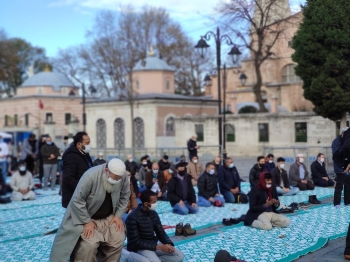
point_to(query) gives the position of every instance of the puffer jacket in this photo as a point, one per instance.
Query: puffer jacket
(254, 174)
(144, 230)
(207, 185)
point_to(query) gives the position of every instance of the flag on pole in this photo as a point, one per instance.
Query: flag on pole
(41, 105)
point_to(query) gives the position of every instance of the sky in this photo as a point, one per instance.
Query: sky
(58, 24)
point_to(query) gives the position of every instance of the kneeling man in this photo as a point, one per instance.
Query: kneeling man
(22, 183)
(93, 219)
(263, 202)
(144, 230)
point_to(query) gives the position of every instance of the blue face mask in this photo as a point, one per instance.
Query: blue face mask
(231, 165)
(49, 143)
(212, 172)
(155, 171)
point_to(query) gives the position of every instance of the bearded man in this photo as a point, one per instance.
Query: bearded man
(92, 224)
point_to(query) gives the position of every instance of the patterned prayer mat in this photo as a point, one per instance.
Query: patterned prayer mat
(39, 201)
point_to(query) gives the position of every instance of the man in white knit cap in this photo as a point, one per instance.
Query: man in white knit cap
(92, 225)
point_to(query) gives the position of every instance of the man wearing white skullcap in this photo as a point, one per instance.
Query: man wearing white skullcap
(99, 160)
(299, 176)
(92, 224)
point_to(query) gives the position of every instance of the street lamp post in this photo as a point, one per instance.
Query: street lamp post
(201, 47)
(84, 113)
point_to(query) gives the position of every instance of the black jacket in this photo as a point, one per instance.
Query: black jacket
(144, 230)
(344, 151)
(318, 171)
(131, 167)
(228, 179)
(277, 175)
(46, 150)
(254, 175)
(257, 200)
(163, 165)
(75, 164)
(270, 166)
(207, 185)
(174, 189)
(191, 148)
(98, 162)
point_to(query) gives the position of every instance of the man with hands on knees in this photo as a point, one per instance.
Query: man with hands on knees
(92, 225)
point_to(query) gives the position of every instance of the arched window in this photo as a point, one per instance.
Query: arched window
(139, 130)
(119, 133)
(288, 74)
(137, 84)
(170, 126)
(167, 84)
(230, 133)
(101, 133)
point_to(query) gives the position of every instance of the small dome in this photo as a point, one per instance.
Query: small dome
(56, 80)
(153, 63)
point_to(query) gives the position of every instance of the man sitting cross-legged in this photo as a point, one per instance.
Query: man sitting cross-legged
(319, 174)
(229, 181)
(208, 191)
(299, 176)
(263, 202)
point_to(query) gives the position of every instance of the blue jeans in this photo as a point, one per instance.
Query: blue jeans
(203, 202)
(229, 197)
(293, 191)
(185, 209)
(4, 169)
(142, 188)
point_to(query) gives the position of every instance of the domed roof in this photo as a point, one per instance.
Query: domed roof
(152, 63)
(56, 80)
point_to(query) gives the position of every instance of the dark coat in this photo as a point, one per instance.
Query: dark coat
(207, 185)
(163, 165)
(75, 164)
(277, 175)
(131, 167)
(46, 150)
(254, 175)
(257, 200)
(161, 180)
(98, 162)
(144, 230)
(344, 151)
(318, 171)
(270, 166)
(191, 148)
(228, 179)
(174, 189)
(337, 156)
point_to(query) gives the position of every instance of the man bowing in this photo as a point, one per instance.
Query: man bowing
(92, 224)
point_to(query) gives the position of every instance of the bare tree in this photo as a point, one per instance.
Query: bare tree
(258, 24)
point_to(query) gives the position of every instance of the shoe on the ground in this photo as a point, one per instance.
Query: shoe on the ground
(313, 200)
(226, 222)
(179, 229)
(188, 231)
(294, 206)
(285, 210)
(347, 257)
(303, 204)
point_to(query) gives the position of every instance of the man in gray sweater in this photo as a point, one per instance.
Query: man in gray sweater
(299, 176)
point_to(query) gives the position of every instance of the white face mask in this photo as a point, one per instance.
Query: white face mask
(211, 171)
(153, 207)
(268, 185)
(144, 163)
(231, 165)
(321, 160)
(282, 166)
(155, 171)
(195, 161)
(170, 171)
(131, 160)
(113, 181)
(301, 160)
(217, 163)
(87, 149)
(22, 168)
(270, 161)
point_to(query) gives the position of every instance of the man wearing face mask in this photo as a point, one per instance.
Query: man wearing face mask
(164, 163)
(145, 231)
(92, 224)
(49, 153)
(208, 191)
(299, 176)
(76, 161)
(155, 181)
(131, 169)
(192, 146)
(99, 160)
(263, 202)
(168, 174)
(143, 170)
(195, 169)
(229, 181)
(256, 170)
(22, 183)
(269, 162)
(319, 174)
(181, 193)
(217, 163)
(281, 181)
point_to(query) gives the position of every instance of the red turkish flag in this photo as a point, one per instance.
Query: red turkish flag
(41, 105)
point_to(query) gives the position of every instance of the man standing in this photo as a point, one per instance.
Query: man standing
(181, 193)
(280, 179)
(192, 146)
(319, 174)
(217, 163)
(299, 176)
(269, 162)
(155, 181)
(164, 163)
(49, 153)
(29, 152)
(256, 170)
(40, 157)
(229, 180)
(3, 158)
(132, 168)
(145, 168)
(195, 169)
(99, 160)
(208, 191)
(144, 230)
(92, 224)
(22, 184)
(76, 161)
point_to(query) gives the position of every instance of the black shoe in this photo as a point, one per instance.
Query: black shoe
(286, 210)
(235, 221)
(188, 230)
(313, 200)
(303, 205)
(227, 222)
(179, 229)
(294, 206)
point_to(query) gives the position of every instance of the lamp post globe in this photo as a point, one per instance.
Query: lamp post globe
(235, 54)
(201, 47)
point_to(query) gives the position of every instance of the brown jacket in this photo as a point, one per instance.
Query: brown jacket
(195, 170)
(161, 181)
(132, 204)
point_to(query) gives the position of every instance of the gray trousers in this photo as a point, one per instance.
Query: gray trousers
(156, 256)
(50, 171)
